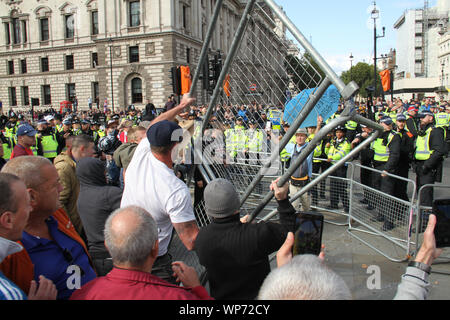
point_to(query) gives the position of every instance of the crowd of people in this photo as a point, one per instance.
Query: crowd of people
(90, 202)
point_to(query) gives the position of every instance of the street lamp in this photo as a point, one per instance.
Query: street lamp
(442, 79)
(375, 15)
(111, 71)
(351, 66)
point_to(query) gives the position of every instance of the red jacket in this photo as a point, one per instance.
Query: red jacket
(121, 284)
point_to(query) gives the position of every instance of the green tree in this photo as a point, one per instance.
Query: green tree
(362, 74)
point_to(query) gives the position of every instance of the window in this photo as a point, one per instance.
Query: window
(94, 22)
(7, 33)
(44, 64)
(135, 13)
(11, 67)
(134, 54)
(25, 96)
(95, 92)
(12, 96)
(70, 92)
(23, 66)
(69, 26)
(185, 17)
(46, 94)
(24, 31)
(188, 55)
(94, 59)
(69, 62)
(44, 29)
(136, 90)
(16, 30)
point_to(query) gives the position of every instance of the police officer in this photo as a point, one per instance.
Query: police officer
(46, 141)
(255, 142)
(429, 155)
(86, 128)
(239, 139)
(76, 127)
(406, 156)
(64, 134)
(386, 159)
(7, 144)
(366, 156)
(412, 120)
(339, 148)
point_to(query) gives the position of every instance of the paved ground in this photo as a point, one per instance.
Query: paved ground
(358, 264)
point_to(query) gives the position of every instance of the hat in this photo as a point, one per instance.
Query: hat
(412, 108)
(192, 113)
(340, 128)
(85, 121)
(49, 118)
(386, 120)
(75, 121)
(401, 117)
(221, 199)
(67, 122)
(240, 119)
(161, 133)
(42, 121)
(426, 113)
(26, 130)
(301, 130)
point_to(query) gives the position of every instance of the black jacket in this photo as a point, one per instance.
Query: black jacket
(235, 255)
(96, 201)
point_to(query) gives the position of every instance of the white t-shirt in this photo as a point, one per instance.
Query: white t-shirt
(150, 184)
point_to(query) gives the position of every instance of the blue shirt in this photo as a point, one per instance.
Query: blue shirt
(9, 290)
(56, 260)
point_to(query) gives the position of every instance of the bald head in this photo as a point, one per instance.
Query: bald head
(28, 169)
(130, 235)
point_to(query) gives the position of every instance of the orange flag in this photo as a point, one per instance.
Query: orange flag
(386, 80)
(226, 85)
(186, 80)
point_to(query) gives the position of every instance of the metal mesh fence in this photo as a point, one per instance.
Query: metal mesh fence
(266, 72)
(375, 211)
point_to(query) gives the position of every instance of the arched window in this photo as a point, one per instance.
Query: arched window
(136, 90)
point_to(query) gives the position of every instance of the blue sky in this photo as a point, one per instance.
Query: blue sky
(338, 28)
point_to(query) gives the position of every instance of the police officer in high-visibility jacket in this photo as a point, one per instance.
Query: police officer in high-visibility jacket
(255, 143)
(386, 159)
(7, 144)
(239, 140)
(442, 120)
(339, 148)
(46, 141)
(429, 155)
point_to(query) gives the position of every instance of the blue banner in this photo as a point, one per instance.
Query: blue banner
(326, 106)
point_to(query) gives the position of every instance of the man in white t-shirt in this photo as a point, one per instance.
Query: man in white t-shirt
(152, 185)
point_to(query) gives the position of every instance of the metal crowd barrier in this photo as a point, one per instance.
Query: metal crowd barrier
(332, 189)
(368, 205)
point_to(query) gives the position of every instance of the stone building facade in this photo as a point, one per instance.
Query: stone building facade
(56, 50)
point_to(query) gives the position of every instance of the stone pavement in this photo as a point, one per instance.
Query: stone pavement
(359, 264)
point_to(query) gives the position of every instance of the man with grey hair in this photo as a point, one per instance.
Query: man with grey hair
(131, 236)
(306, 277)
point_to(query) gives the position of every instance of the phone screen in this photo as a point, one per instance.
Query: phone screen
(308, 234)
(441, 208)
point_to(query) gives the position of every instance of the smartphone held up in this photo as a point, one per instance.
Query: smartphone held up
(308, 233)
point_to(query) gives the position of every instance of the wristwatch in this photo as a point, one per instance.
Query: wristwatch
(421, 266)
